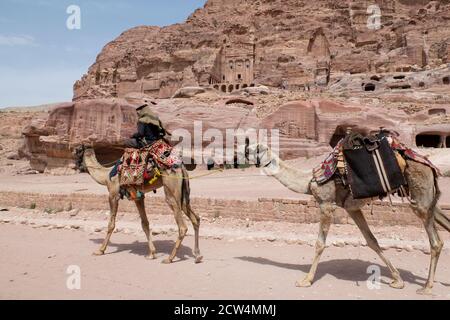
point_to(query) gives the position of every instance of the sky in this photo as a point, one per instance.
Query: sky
(45, 48)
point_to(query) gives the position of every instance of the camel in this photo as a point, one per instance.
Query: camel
(424, 192)
(177, 191)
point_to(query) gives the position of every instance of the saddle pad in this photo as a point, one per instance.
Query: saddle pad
(374, 173)
(414, 156)
(133, 167)
(161, 153)
(328, 167)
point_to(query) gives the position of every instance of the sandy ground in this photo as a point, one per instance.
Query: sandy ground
(229, 229)
(242, 261)
(231, 184)
(34, 264)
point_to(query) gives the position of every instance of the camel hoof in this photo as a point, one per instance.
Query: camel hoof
(305, 283)
(397, 284)
(424, 291)
(98, 253)
(151, 257)
(167, 261)
(198, 259)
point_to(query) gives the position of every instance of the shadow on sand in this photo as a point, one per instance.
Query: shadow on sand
(343, 269)
(140, 248)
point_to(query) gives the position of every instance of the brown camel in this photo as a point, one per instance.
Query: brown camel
(424, 193)
(177, 192)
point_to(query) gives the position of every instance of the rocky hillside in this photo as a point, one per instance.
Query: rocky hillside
(307, 68)
(12, 122)
(290, 43)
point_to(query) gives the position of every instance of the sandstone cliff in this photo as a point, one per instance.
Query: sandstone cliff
(306, 128)
(229, 44)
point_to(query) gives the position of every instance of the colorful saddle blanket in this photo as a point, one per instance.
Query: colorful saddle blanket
(326, 170)
(162, 154)
(137, 165)
(414, 156)
(335, 162)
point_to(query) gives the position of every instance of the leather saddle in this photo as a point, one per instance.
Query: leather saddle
(355, 141)
(371, 165)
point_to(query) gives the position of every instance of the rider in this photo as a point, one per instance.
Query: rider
(149, 128)
(149, 131)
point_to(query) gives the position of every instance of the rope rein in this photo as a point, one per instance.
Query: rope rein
(159, 173)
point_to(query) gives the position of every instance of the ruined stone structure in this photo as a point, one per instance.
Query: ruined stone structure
(306, 128)
(50, 143)
(277, 43)
(319, 49)
(387, 62)
(389, 83)
(234, 67)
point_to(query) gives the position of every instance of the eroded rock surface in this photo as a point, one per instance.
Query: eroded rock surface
(308, 69)
(307, 128)
(234, 44)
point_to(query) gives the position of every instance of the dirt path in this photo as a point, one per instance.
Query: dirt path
(232, 184)
(34, 262)
(243, 259)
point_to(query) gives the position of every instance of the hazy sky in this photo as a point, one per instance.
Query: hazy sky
(40, 58)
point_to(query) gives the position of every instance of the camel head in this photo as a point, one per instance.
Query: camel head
(79, 153)
(86, 161)
(262, 156)
(257, 154)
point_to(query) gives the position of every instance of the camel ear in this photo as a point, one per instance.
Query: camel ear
(141, 107)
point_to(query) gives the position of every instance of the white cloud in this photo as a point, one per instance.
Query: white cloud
(14, 41)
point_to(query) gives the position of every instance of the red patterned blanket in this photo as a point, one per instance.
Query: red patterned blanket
(135, 165)
(325, 171)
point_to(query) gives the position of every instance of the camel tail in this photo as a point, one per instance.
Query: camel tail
(439, 216)
(185, 189)
(99, 173)
(437, 190)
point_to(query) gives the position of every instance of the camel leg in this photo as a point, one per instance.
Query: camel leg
(140, 204)
(172, 189)
(326, 213)
(195, 219)
(182, 230)
(372, 242)
(114, 206)
(436, 245)
(422, 186)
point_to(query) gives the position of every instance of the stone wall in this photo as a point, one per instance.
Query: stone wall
(263, 209)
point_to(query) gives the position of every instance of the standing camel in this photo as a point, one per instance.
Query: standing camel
(177, 191)
(424, 192)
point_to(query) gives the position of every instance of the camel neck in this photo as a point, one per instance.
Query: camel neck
(290, 177)
(99, 173)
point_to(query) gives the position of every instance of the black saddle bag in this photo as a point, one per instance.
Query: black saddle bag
(371, 167)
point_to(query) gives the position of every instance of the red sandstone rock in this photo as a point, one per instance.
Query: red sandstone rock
(233, 44)
(310, 128)
(107, 123)
(394, 77)
(307, 128)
